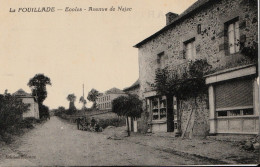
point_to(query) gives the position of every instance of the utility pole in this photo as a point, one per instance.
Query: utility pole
(83, 100)
(83, 91)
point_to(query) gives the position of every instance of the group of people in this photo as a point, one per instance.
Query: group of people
(84, 124)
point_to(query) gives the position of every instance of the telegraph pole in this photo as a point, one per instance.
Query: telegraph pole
(83, 91)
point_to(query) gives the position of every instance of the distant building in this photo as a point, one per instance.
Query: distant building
(28, 99)
(104, 101)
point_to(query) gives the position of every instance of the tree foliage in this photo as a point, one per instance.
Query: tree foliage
(83, 101)
(38, 85)
(44, 111)
(130, 106)
(60, 110)
(11, 110)
(250, 51)
(92, 96)
(183, 85)
(71, 98)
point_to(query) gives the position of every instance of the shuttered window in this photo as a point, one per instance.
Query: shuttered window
(190, 50)
(233, 37)
(237, 93)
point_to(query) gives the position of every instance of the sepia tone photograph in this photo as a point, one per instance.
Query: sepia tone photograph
(129, 83)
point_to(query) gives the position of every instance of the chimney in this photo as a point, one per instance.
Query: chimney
(170, 17)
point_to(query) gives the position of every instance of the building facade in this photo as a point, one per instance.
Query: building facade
(217, 31)
(104, 101)
(27, 98)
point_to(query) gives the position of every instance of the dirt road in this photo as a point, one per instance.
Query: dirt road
(58, 143)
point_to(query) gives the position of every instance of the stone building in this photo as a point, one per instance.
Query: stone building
(133, 89)
(28, 99)
(213, 30)
(104, 101)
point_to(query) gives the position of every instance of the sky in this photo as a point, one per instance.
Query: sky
(76, 48)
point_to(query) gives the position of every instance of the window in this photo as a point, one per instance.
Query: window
(159, 108)
(161, 60)
(190, 49)
(233, 36)
(234, 98)
(199, 28)
(234, 113)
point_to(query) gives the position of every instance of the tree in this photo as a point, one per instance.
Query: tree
(129, 106)
(60, 110)
(38, 86)
(83, 101)
(92, 96)
(71, 98)
(11, 110)
(44, 110)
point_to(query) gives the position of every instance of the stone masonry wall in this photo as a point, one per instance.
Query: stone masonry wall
(210, 44)
(199, 119)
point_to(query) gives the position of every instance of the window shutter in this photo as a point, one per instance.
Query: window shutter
(193, 50)
(231, 38)
(189, 51)
(237, 93)
(237, 37)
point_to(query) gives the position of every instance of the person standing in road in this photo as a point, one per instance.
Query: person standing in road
(93, 122)
(78, 122)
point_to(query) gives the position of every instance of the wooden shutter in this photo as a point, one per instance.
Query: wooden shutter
(237, 37)
(189, 51)
(231, 38)
(193, 50)
(237, 93)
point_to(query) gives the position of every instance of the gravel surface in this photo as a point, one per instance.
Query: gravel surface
(57, 142)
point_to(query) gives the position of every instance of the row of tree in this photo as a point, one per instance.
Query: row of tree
(92, 96)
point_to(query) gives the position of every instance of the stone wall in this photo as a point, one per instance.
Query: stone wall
(199, 117)
(210, 44)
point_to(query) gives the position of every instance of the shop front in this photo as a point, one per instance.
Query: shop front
(234, 102)
(156, 105)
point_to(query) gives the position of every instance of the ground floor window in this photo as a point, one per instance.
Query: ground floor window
(242, 112)
(234, 98)
(158, 106)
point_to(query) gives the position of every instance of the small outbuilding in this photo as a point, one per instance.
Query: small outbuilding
(28, 99)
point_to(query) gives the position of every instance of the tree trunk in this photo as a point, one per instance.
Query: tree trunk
(128, 130)
(170, 117)
(178, 114)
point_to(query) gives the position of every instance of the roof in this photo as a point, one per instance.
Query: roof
(22, 93)
(230, 70)
(191, 10)
(114, 91)
(134, 85)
